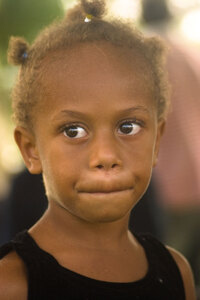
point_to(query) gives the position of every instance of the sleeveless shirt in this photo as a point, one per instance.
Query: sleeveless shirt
(48, 280)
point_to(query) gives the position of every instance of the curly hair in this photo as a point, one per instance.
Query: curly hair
(85, 22)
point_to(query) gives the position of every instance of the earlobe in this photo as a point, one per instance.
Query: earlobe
(160, 131)
(26, 143)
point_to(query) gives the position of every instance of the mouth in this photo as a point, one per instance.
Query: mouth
(105, 195)
(102, 193)
(105, 187)
(105, 191)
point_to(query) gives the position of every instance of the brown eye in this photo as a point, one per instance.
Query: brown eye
(75, 132)
(129, 128)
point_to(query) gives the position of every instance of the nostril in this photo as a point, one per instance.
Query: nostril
(114, 165)
(104, 167)
(100, 167)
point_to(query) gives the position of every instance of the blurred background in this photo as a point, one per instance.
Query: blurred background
(175, 189)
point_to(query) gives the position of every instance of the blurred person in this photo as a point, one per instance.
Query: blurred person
(23, 205)
(177, 174)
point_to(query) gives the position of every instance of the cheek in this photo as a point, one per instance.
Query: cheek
(140, 154)
(62, 158)
(61, 169)
(140, 161)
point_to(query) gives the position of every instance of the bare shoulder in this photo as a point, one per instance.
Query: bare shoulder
(13, 278)
(186, 273)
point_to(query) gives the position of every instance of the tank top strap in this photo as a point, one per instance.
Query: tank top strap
(34, 257)
(165, 267)
(35, 260)
(17, 244)
(5, 249)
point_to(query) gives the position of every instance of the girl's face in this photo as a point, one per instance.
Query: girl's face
(96, 132)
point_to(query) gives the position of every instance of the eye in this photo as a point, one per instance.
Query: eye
(129, 128)
(74, 132)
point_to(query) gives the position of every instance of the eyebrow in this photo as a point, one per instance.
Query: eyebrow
(136, 108)
(69, 113)
(78, 114)
(73, 113)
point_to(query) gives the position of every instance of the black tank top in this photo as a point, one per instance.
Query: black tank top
(48, 280)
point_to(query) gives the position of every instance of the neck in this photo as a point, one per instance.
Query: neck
(59, 225)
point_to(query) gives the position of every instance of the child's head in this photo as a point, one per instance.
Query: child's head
(89, 103)
(85, 23)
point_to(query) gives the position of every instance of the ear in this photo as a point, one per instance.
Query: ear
(26, 142)
(160, 131)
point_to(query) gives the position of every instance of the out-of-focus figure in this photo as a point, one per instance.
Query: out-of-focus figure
(178, 171)
(23, 205)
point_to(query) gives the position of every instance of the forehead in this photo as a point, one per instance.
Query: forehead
(97, 65)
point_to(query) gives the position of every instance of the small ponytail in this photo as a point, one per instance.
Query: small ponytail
(94, 9)
(17, 51)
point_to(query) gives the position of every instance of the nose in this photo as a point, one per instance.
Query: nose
(105, 154)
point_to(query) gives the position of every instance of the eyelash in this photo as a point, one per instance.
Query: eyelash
(134, 121)
(76, 125)
(70, 126)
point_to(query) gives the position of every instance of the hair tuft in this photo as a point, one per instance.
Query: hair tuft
(17, 50)
(94, 8)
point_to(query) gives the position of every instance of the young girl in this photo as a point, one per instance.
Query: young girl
(90, 105)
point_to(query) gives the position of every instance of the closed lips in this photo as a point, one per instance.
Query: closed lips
(105, 190)
(100, 185)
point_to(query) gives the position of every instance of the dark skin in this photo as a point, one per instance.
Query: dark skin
(95, 138)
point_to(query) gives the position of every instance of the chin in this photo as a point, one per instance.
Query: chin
(105, 216)
(104, 208)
